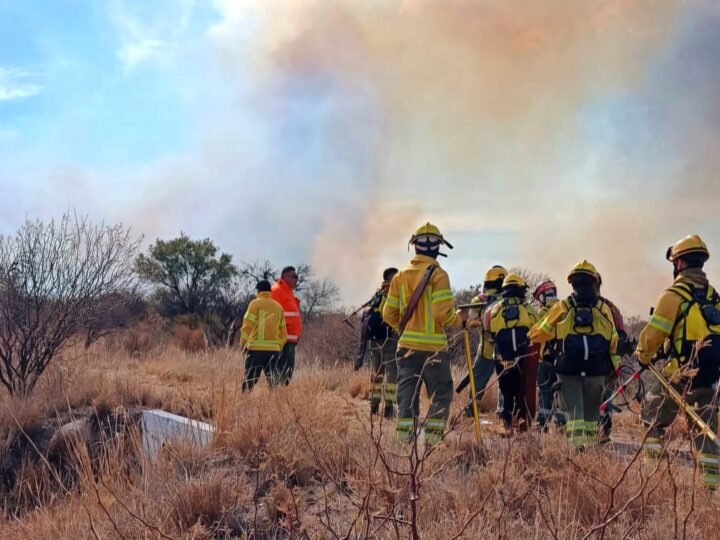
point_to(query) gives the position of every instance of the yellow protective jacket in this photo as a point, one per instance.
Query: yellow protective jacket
(263, 327)
(675, 327)
(582, 350)
(509, 337)
(486, 347)
(547, 354)
(425, 330)
(542, 309)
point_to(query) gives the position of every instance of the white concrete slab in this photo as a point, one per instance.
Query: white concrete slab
(160, 427)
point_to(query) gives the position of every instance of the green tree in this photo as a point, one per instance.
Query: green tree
(188, 274)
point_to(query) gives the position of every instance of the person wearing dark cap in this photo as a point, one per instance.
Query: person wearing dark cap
(263, 335)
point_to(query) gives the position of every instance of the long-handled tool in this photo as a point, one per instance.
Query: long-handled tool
(476, 416)
(684, 405)
(346, 320)
(620, 390)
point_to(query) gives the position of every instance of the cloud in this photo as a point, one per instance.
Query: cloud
(149, 32)
(452, 110)
(327, 130)
(134, 53)
(16, 83)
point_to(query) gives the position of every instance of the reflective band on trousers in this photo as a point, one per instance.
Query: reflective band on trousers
(292, 313)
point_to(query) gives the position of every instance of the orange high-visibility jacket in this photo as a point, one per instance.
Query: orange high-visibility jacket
(263, 327)
(283, 295)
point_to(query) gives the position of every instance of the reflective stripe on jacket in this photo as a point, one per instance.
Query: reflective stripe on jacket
(283, 295)
(263, 327)
(663, 322)
(425, 330)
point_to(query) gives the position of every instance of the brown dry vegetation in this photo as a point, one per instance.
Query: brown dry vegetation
(306, 462)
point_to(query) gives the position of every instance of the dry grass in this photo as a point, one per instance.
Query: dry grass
(305, 462)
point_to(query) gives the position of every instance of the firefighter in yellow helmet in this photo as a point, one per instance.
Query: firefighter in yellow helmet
(507, 324)
(685, 315)
(420, 307)
(484, 364)
(584, 332)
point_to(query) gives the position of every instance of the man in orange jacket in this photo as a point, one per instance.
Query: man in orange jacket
(282, 293)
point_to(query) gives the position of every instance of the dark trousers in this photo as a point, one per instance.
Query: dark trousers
(255, 363)
(546, 378)
(286, 364)
(512, 391)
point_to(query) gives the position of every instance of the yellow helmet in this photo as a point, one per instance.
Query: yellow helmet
(689, 244)
(429, 230)
(495, 273)
(584, 267)
(513, 280)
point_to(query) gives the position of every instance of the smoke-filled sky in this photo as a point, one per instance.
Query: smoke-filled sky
(534, 133)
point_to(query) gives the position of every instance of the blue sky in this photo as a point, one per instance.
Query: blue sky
(97, 88)
(280, 131)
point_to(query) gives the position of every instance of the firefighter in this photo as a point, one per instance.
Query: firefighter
(484, 364)
(382, 346)
(282, 293)
(263, 334)
(545, 296)
(420, 307)
(584, 329)
(685, 315)
(507, 323)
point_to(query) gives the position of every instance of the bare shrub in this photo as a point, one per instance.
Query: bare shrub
(327, 340)
(56, 280)
(189, 339)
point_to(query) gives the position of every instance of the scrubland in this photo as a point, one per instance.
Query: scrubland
(308, 461)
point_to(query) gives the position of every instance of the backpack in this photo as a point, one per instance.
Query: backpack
(372, 320)
(585, 336)
(698, 321)
(509, 325)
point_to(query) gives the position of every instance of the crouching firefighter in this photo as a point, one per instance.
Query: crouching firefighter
(545, 295)
(584, 329)
(685, 323)
(381, 342)
(420, 306)
(507, 323)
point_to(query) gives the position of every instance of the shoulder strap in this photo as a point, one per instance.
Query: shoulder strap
(713, 295)
(682, 290)
(415, 298)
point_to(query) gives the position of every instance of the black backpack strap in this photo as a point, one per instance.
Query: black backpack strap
(686, 292)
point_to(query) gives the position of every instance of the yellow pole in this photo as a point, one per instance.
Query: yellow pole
(476, 416)
(684, 405)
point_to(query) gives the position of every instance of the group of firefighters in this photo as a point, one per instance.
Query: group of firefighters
(570, 349)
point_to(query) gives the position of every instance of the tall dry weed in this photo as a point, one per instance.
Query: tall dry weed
(308, 461)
